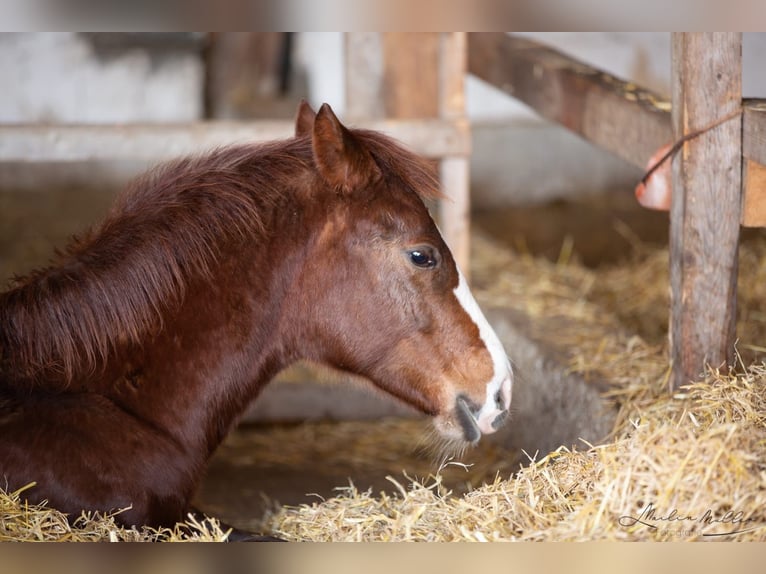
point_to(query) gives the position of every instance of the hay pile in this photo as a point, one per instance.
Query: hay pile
(701, 453)
(22, 522)
(686, 466)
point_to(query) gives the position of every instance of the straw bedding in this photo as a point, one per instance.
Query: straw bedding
(684, 466)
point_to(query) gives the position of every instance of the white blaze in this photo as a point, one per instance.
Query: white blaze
(502, 378)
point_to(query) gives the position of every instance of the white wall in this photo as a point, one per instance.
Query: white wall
(321, 56)
(57, 77)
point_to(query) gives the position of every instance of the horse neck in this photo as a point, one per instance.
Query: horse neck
(187, 360)
(220, 348)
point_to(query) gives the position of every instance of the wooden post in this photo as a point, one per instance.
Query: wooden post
(243, 75)
(455, 170)
(391, 75)
(705, 209)
(622, 118)
(411, 74)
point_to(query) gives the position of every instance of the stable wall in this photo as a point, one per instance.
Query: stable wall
(68, 77)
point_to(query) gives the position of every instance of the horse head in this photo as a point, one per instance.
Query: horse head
(379, 293)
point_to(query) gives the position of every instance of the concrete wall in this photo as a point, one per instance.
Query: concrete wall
(68, 77)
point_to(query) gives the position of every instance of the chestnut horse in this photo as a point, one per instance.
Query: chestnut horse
(125, 363)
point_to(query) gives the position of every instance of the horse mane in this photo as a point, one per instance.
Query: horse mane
(411, 171)
(114, 284)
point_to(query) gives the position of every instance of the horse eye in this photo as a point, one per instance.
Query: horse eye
(423, 258)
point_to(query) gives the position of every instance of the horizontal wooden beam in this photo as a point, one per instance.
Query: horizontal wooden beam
(619, 116)
(616, 115)
(434, 138)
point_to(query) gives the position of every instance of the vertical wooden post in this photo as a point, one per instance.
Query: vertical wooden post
(243, 74)
(455, 171)
(705, 209)
(411, 74)
(392, 75)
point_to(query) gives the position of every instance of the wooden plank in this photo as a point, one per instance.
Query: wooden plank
(30, 143)
(754, 130)
(453, 65)
(410, 86)
(754, 194)
(705, 207)
(243, 74)
(616, 115)
(455, 211)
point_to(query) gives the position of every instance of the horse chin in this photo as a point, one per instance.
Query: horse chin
(458, 427)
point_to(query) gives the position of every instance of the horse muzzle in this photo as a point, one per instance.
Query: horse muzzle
(476, 420)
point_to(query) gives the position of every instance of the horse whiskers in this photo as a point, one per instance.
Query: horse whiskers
(440, 449)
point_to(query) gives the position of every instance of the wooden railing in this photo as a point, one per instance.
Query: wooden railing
(719, 180)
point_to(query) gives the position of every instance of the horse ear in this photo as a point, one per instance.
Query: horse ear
(341, 159)
(304, 119)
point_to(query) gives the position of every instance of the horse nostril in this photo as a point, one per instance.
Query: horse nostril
(499, 400)
(503, 395)
(499, 420)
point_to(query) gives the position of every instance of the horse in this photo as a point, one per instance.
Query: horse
(127, 360)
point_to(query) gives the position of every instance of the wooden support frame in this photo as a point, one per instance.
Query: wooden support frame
(408, 85)
(618, 116)
(719, 179)
(705, 208)
(432, 138)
